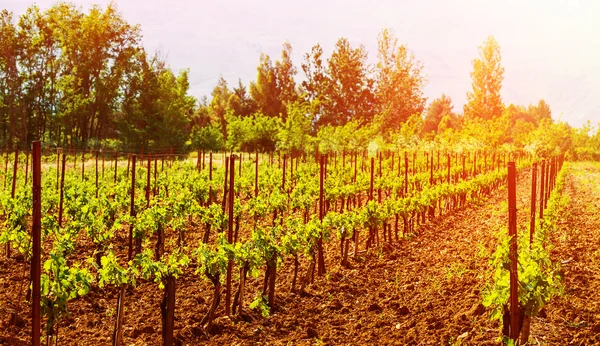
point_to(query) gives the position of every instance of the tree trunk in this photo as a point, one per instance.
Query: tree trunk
(272, 278)
(525, 328)
(238, 299)
(208, 318)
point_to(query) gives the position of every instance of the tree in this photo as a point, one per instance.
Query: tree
(218, 105)
(275, 87)
(10, 82)
(95, 48)
(294, 135)
(285, 72)
(400, 82)
(315, 86)
(156, 111)
(257, 132)
(264, 90)
(438, 110)
(484, 101)
(542, 111)
(240, 103)
(351, 87)
(69, 77)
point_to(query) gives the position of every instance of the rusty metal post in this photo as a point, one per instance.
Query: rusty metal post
(148, 173)
(542, 183)
(83, 165)
(431, 171)
(132, 210)
(198, 161)
(225, 184)
(321, 258)
(36, 244)
(155, 175)
(548, 179)
(62, 190)
(57, 167)
(371, 180)
(379, 188)
(283, 176)
(26, 167)
(102, 164)
(230, 232)
(96, 174)
(256, 176)
(533, 202)
(406, 174)
(116, 162)
(512, 232)
(15, 168)
(210, 172)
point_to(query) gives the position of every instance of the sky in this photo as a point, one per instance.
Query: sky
(550, 49)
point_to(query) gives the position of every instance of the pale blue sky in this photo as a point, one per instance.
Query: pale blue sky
(550, 49)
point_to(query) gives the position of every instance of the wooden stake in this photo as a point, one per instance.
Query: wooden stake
(533, 202)
(512, 232)
(132, 206)
(36, 244)
(62, 190)
(230, 233)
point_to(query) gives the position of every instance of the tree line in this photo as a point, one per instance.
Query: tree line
(79, 79)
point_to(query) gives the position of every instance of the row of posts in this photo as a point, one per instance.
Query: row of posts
(229, 162)
(548, 172)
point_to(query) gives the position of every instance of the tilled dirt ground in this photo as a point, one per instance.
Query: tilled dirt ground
(423, 290)
(574, 318)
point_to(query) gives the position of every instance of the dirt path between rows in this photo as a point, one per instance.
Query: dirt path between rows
(574, 318)
(424, 291)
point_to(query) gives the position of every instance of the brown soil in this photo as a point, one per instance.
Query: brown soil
(425, 290)
(574, 318)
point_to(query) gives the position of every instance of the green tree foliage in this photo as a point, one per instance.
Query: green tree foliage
(550, 139)
(484, 101)
(160, 116)
(350, 88)
(69, 77)
(258, 132)
(207, 137)
(295, 135)
(340, 90)
(219, 104)
(314, 87)
(439, 116)
(240, 102)
(351, 136)
(9, 77)
(275, 87)
(286, 86)
(264, 89)
(78, 78)
(400, 82)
